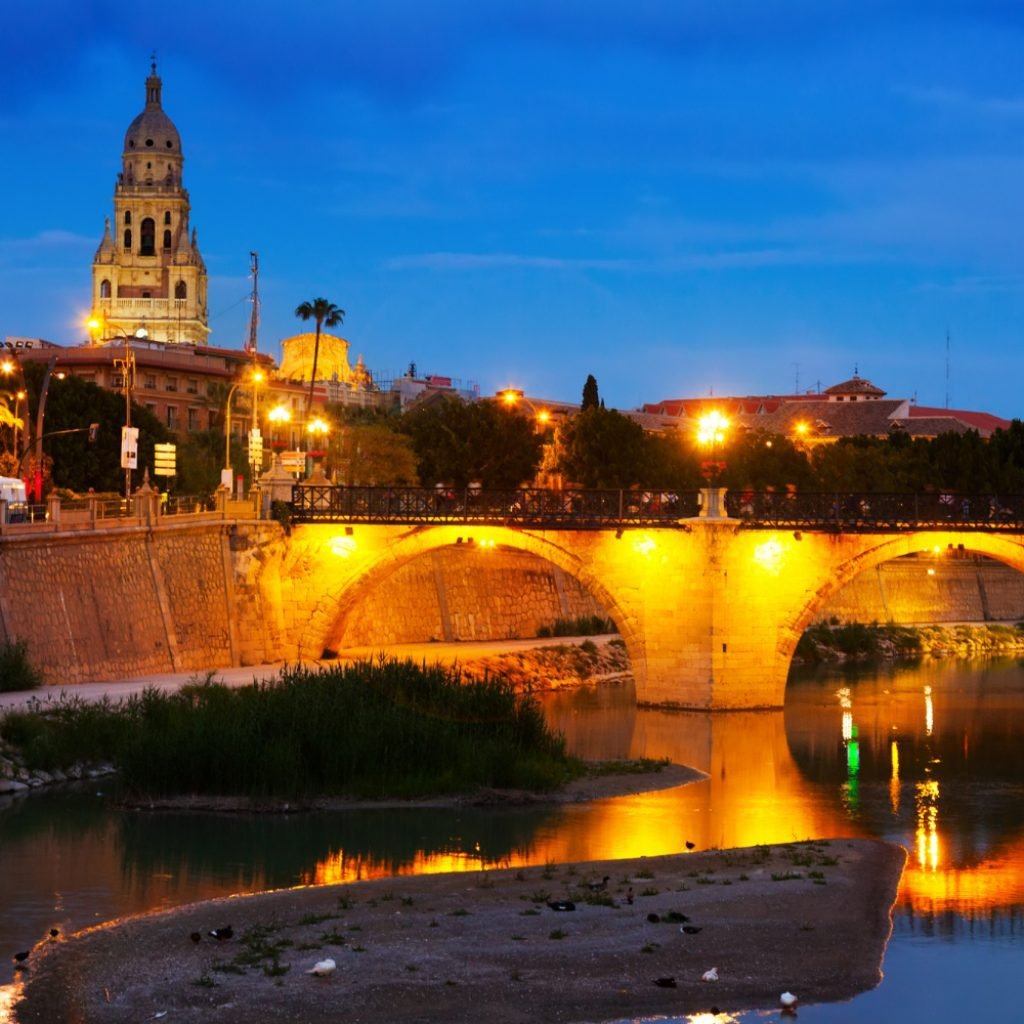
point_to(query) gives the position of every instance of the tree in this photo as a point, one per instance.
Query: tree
(590, 397)
(374, 455)
(456, 442)
(325, 314)
(602, 448)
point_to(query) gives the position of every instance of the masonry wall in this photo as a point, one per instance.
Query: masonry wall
(118, 603)
(966, 589)
(466, 594)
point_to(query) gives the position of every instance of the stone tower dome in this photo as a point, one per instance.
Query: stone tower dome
(148, 271)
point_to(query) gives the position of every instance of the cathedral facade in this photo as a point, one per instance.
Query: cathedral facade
(148, 272)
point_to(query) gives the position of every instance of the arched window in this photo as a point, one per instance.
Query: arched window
(180, 290)
(128, 238)
(147, 243)
(167, 216)
(167, 239)
(104, 289)
(127, 216)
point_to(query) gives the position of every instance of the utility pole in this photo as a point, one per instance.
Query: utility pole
(255, 439)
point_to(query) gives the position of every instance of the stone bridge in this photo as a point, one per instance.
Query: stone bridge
(710, 609)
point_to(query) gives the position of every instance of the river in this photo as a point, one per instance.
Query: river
(927, 756)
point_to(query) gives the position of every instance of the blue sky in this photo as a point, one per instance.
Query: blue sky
(682, 197)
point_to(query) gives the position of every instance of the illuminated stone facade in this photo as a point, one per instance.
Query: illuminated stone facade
(148, 271)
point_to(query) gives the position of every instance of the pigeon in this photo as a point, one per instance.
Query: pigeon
(598, 886)
(561, 904)
(196, 937)
(220, 934)
(629, 896)
(689, 929)
(676, 917)
(690, 846)
(665, 982)
(653, 918)
(323, 968)
(54, 933)
(711, 975)
(788, 1001)
(20, 958)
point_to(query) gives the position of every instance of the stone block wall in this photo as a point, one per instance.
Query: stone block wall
(967, 589)
(466, 594)
(118, 603)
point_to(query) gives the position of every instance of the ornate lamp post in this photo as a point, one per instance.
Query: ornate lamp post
(711, 430)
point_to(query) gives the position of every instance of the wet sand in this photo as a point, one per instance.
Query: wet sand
(811, 918)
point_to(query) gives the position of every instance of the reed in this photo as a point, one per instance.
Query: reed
(371, 729)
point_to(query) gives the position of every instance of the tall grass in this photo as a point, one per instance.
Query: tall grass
(381, 728)
(16, 671)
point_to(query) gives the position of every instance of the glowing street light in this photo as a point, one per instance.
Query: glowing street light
(711, 429)
(511, 397)
(277, 416)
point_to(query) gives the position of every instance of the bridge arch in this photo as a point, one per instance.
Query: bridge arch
(875, 549)
(342, 569)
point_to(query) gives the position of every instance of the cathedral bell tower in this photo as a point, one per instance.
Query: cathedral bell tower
(147, 272)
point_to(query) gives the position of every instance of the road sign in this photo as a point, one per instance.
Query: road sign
(294, 462)
(129, 447)
(255, 447)
(164, 459)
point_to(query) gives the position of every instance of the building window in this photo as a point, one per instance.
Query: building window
(172, 417)
(167, 214)
(192, 386)
(167, 239)
(146, 295)
(117, 381)
(171, 384)
(104, 289)
(180, 290)
(193, 419)
(151, 407)
(128, 239)
(147, 245)
(127, 216)
(149, 381)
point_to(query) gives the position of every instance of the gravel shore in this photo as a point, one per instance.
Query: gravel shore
(811, 918)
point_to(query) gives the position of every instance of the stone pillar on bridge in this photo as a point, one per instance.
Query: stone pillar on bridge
(275, 485)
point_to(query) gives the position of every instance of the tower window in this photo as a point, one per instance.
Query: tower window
(170, 145)
(104, 289)
(128, 238)
(149, 142)
(147, 246)
(167, 213)
(180, 290)
(167, 239)
(127, 216)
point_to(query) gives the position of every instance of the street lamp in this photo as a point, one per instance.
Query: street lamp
(511, 397)
(711, 430)
(129, 448)
(255, 380)
(278, 415)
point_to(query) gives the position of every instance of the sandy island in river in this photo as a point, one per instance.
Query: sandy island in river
(812, 918)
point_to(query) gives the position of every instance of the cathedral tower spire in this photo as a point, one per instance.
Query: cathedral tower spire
(148, 274)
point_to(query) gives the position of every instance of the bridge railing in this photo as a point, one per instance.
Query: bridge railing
(865, 512)
(526, 506)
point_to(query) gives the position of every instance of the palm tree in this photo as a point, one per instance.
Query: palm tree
(325, 313)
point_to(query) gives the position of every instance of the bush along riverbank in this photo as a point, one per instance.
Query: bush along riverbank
(367, 730)
(834, 642)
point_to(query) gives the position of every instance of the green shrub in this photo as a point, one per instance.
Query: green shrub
(16, 671)
(585, 625)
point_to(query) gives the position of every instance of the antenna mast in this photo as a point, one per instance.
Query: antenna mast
(254, 316)
(947, 367)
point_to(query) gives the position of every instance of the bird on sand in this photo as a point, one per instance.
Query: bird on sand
(653, 918)
(220, 934)
(665, 982)
(689, 929)
(690, 846)
(54, 933)
(676, 917)
(711, 975)
(323, 968)
(196, 937)
(561, 904)
(788, 1001)
(599, 886)
(20, 958)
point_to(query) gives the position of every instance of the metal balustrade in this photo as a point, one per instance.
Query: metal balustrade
(583, 509)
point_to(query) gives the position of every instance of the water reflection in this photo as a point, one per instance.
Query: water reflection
(927, 756)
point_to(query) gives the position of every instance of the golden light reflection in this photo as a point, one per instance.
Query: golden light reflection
(342, 547)
(9, 995)
(847, 726)
(769, 556)
(929, 711)
(644, 545)
(927, 832)
(894, 776)
(711, 1018)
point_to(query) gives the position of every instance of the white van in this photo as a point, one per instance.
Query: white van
(12, 490)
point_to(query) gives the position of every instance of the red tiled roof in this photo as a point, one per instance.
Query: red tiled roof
(983, 422)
